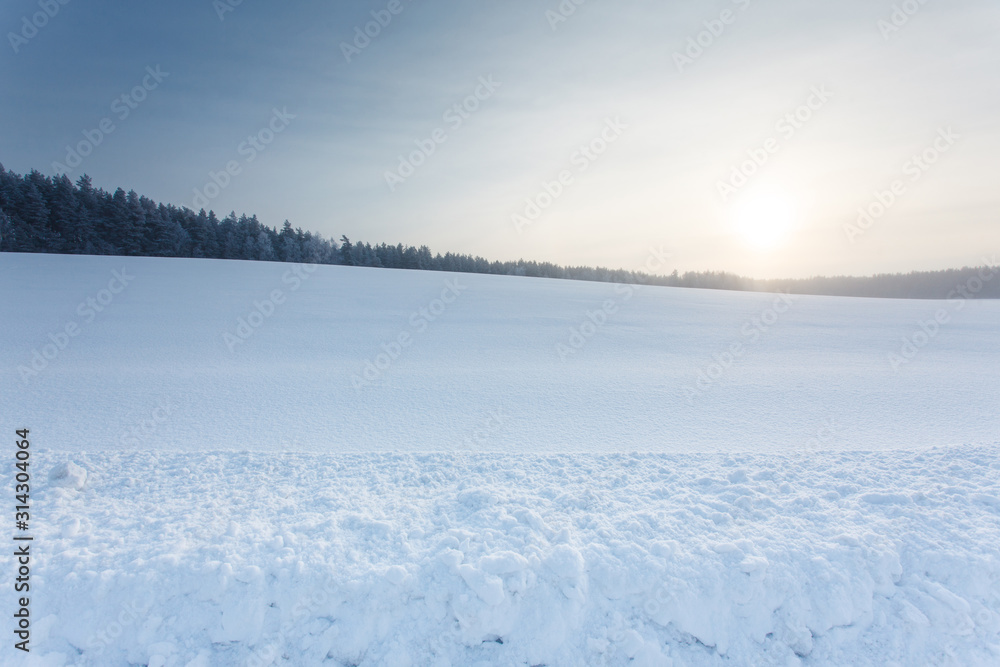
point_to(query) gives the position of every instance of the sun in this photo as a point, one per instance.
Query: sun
(764, 219)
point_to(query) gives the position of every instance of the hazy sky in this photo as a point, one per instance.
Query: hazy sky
(832, 100)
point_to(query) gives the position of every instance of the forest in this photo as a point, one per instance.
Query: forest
(39, 213)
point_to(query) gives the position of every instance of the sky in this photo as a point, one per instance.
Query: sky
(769, 138)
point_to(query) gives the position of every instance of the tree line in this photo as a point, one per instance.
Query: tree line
(39, 213)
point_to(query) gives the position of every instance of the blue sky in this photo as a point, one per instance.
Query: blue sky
(865, 96)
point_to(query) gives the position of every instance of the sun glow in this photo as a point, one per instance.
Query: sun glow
(764, 219)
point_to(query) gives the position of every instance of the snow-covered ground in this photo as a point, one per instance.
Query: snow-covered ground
(499, 368)
(533, 559)
(701, 478)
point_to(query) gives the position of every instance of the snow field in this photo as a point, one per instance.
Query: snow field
(212, 486)
(321, 368)
(248, 558)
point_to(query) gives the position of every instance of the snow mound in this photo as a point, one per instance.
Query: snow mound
(68, 475)
(230, 558)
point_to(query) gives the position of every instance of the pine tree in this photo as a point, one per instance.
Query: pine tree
(346, 251)
(133, 224)
(65, 218)
(265, 248)
(6, 229)
(31, 224)
(289, 246)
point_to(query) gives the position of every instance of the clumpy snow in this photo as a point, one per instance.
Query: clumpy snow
(240, 463)
(68, 474)
(248, 558)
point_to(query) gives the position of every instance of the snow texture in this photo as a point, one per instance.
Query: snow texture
(486, 497)
(250, 558)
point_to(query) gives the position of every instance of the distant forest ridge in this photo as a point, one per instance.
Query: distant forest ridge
(46, 214)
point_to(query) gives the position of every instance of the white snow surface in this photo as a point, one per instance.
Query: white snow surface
(229, 558)
(485, 373)
(480, 500)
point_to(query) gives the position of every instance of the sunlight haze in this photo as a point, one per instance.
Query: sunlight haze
(672, 125)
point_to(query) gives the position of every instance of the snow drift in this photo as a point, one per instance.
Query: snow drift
(252, 558)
